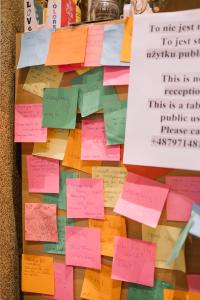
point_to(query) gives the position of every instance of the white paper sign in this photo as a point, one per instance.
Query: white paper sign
(163, 114)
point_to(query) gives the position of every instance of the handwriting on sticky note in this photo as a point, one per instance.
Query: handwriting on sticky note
(63, 282)
(180, 295)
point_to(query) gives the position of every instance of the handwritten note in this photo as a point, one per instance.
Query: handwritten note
(83, 247)
(94, 46)
(193, 281)
(28, 123)
(164, 237)
(99, 285)
(127, 39)
(37, 274)
(94, 142)
(134, 261)
(63, 277)
(59, 108)
(110, 227)
(34, 48)
(195, 227)
(180, 295)
(41, 77)
(67, 46)
(43, 174)
(85, 198)
(116, 76)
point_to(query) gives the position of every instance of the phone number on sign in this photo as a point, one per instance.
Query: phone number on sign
(175, 142)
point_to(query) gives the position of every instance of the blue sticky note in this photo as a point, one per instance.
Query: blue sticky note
(195, 228)
(34, 48)
(112, 43)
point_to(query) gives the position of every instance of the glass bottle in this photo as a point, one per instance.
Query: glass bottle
(105, 9)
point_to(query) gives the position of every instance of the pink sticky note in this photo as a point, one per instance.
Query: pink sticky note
(193, 281)
(116, 76)
(43, 174)
(141, 202)
(94, 146)
(40, 222)
(83, 247)
(69, 68)
(134, 261)
(94, 46)
(28, 124)
(63, 278)
(85, 198)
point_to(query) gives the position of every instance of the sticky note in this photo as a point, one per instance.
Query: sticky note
(110, 227)
(41, 77)
(85, 198)
(112, 41)
(116, 76)
(195, 227)
(59, 247)
(72, 156)
(126, 40)
(60, 199)
(55, 145)
(63, 278)
(43, 174)
(180, 295)
(28, 123)
(141, 292)
(37, 274)
(93, 145)
(193, 281)
(34, 48)
(140, 201)
(69, 68)
(114, 117)
(94, 46)
(83, 70)
(67, 46)
(99, 285)
(90, 101)
(134, 261)
(167, 236)
(59, 108)
(83, 247)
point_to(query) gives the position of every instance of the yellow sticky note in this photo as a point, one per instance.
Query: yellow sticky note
(110, 227)
(180, 295)
(126, 41)
(37, 274)
(41, 77)
(83, 70)
(113, 178)
(165, 238)
(55, 145)
(98, 285)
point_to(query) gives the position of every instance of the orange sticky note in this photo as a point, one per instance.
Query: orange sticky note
(67, 46)
(37, 274)
(126, 41)
(99, 285)
(72, 156)
(110, 227)
(180, 295)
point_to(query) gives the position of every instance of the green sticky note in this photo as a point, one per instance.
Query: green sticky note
(91, 78)
(114, 117)
(90, 102)
(141, 292)
(60, 199)
(59, 107)
(59, 248)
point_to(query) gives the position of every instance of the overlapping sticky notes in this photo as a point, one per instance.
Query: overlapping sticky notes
(93, 145)
(142, 200)
(43, 174)
(180, 295)
(83, 70)
(37, 274)
(63, 278)
(127, 39)
(41, 77)
(59, 108)
(94, 46)
(55, 145)
(59, 247)
(113, 179)
(60, 199)
(116, 76)
(141, 292)
(67, 46)
(114, 117)
(134, 261)
(40, 222)
(69, 68)
(195, 227)
(110, 227)
(85, 198)
(99, 285)
(72, 156)
(83, 247)
(164, 237)
(193, 281)
(34, 48)
(28, 123)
